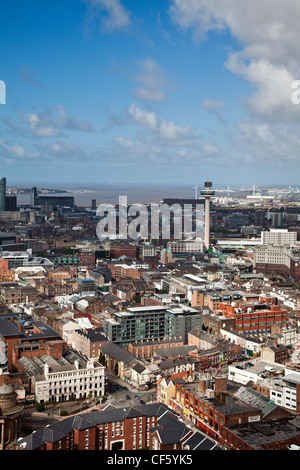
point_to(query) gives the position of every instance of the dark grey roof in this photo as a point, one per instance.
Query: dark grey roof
(95, 335)
(60, 429)
(116, 352)
(109, 297)
(178, 351)
(8, 329)
(262, 433)
(199, 441)
(139, 368)
(52, 435)
(170, 429)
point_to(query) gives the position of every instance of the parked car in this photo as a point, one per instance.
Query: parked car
(136, 397)
(127, 397)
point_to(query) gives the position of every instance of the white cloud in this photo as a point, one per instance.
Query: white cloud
(66, 122)
(272, 98)
(38, 127)
(167, 132)
(152, 80)
(16, 151)
(62, 148)
(113, 15)
(215, 107)
(149, 95)
(266, 55)
(267, 32)
(145, 118)
(261, 142)
(50, 123)
(173, 133)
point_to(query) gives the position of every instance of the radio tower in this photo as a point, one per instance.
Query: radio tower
(207, 193)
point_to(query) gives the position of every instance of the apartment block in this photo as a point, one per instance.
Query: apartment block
(151, 322)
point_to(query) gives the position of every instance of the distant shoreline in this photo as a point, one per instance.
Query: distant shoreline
(107, 193)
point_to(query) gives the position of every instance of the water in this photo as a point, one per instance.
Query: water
(109, 193)
(136, 193)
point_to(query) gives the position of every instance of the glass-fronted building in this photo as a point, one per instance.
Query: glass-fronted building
(151, 323)
(3, 194)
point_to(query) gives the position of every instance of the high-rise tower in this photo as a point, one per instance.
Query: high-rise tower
(3, 194)
(207, 193)
(33, 195)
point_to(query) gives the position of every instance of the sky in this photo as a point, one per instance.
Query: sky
(150, 92)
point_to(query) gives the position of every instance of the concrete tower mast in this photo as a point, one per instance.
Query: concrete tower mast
(207, 193)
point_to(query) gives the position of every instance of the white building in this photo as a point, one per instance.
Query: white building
(285, 390)
(186, 246)
(279, 237)
(259, 370)
(272, 255)
(62, 383)
(140, 374)
(248, 343)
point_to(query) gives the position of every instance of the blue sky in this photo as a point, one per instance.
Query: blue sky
(167, 91)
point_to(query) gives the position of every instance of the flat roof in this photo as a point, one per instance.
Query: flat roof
(223, 402)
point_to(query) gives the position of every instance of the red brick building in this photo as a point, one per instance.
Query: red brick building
(250, 316)
(14, 331)
(209, 406)
(87, 258)
(121, 271)
(152, 427)
(52, 288)
(116, 251)
(146, 349)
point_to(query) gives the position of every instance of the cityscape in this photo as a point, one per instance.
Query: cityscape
(149, 229)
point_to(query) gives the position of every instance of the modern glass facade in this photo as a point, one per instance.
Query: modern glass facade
(3, 194)
(151, 323)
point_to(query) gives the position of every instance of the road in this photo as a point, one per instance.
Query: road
(127, 396)
(120, 394)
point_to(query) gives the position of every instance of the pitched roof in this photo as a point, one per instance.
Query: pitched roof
(58, 430)
(116, 352)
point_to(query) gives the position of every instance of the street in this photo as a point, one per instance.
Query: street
(120, 394)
